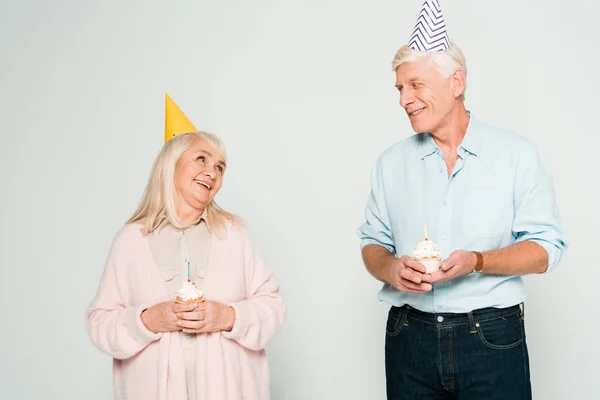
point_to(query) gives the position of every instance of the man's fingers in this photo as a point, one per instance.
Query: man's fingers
(414, 265)
(414, 288)
(426, 287)
(452, 260)
(410, 275)
(440, 276)
(446, 265)
(403, 288)
(419, 287)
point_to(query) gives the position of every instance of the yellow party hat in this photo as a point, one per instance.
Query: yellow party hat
(176, 122)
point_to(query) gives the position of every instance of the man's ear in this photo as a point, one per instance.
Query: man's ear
(459, 82)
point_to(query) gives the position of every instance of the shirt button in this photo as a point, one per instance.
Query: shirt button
(440, 319)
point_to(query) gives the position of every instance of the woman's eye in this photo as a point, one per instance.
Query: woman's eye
(201, 159)
(220, 169)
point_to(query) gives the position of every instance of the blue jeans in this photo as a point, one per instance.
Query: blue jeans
(471, 356)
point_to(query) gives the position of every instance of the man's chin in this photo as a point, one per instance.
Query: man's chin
(418, 128)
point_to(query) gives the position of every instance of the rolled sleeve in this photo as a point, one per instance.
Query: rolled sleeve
(536, 212)
(554, 253)
(377, 227)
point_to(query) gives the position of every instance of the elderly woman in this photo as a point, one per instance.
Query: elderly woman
(162, 349)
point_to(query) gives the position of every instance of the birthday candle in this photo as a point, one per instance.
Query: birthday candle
(188, 269)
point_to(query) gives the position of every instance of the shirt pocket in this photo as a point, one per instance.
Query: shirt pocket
(485, 213)
(166, 272)
(201, 270)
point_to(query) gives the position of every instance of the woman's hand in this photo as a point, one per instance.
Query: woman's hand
(162, 317)
(209, 316)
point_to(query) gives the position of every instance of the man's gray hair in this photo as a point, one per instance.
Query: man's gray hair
(447, 61)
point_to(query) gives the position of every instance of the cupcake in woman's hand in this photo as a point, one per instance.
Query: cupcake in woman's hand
(189, 293)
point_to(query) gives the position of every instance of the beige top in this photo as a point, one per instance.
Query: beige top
(172, 248)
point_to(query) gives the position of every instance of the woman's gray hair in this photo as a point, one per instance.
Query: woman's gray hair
(447, 61)
(159, 202)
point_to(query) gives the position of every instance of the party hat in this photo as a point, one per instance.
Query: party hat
(430, 31)
(176, 122)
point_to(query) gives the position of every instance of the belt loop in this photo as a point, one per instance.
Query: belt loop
(474, 325)
(522, 307)
(405, 319)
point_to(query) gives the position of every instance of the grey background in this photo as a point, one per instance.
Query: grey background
(302, 94)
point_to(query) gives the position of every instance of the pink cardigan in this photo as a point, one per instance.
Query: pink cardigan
(147, 366)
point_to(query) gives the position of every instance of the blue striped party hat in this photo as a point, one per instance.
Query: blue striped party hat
(430, 31)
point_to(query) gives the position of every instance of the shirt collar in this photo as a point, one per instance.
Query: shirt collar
(428, 146)
(471, 142)
(203, 219)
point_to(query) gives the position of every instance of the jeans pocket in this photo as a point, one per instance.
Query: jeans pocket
(501, 333)
(395, 321)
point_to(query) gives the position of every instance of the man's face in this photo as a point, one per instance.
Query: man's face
(425, 94)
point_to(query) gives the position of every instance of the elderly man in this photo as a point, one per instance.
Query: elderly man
(488, 203)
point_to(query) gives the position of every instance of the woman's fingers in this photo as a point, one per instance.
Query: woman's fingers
(186, 324)
(192, 315)
(183, 307)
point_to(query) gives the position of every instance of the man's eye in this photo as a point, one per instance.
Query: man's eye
(416, 85)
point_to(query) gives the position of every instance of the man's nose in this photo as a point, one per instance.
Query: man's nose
(406, 98)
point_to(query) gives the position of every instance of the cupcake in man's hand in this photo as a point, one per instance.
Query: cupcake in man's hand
(428, 254)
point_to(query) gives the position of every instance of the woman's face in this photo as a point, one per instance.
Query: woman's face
(198, 178)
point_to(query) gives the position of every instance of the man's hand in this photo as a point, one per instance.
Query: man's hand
(209, 316)
(407, 275)
(459, 263)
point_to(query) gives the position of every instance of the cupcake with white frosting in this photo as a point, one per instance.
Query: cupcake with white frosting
(428, 254)
(189, 293)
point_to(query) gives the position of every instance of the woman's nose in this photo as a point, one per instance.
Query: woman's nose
(210, 171)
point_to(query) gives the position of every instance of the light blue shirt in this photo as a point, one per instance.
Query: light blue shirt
(499, 193)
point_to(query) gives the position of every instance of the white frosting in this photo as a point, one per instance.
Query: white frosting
(426, 249)
(189, 291)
